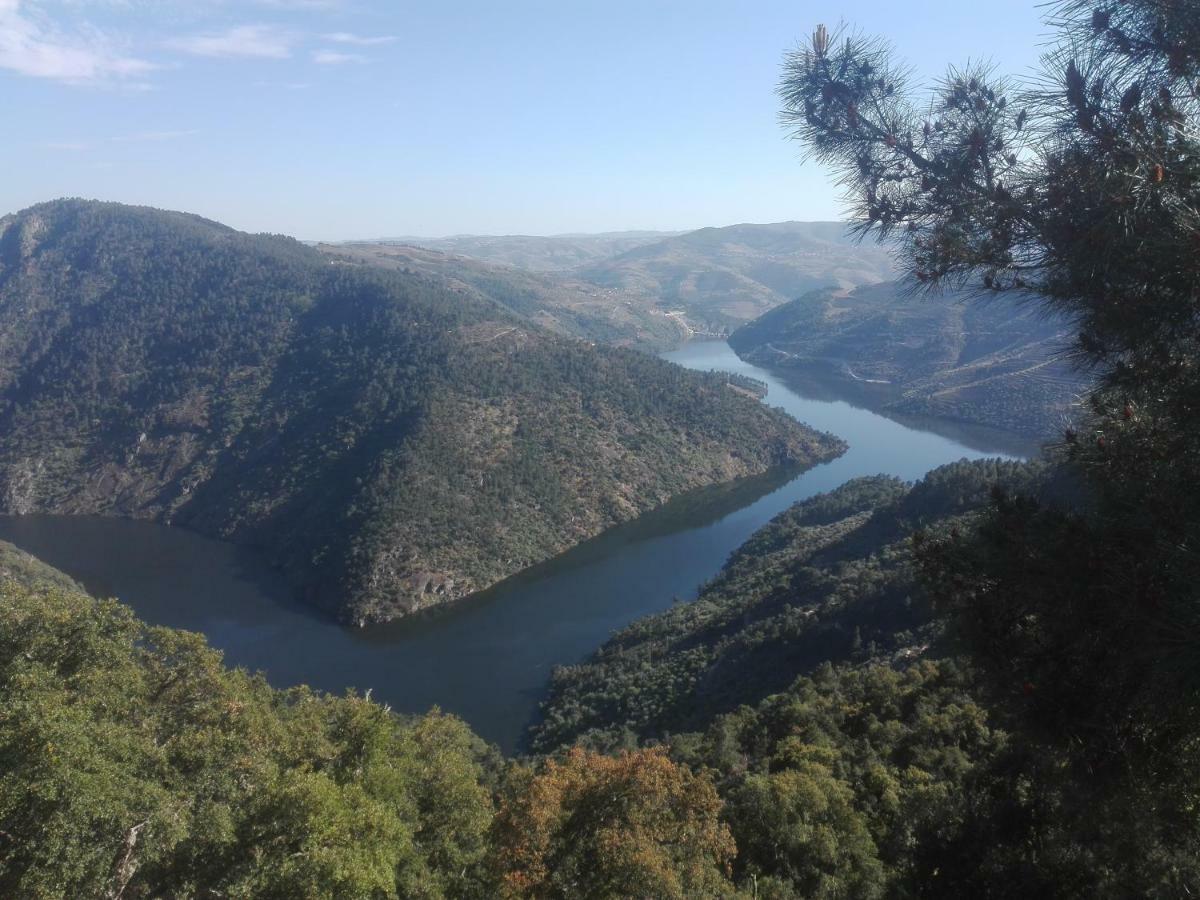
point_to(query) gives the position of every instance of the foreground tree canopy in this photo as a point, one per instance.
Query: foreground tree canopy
(133, 764)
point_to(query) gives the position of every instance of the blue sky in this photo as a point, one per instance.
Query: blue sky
(336, 119)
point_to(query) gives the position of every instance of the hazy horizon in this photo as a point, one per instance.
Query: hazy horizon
(576, 234)
(352, 120)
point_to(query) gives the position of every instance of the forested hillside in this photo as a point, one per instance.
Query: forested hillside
(18, 566)
(391, 443)
(891, 767)
(831, 579)
(687, 759)
(135, 765)
(557, 301)
(1000, 361)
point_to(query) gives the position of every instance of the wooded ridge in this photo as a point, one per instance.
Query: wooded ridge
(390, 442)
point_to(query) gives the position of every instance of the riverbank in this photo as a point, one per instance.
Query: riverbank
(488, 660)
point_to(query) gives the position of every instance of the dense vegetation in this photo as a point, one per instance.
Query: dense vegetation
(18, 566)
(390, 442)
(831, 579)
(1080, 611)
(136, 765)
(133, 764)
(999, 363)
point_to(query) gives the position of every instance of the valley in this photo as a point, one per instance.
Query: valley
(557, 301)
(389, 442)
(850, 559)
(488, 659)
(648, 290)
(374, 430)
(717, 279)
(801, 298)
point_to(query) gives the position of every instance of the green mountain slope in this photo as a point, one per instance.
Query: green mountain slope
(391, 443)
(18, 566)
(556, 301)
(830, 579)
(716, 279)
(993, 362)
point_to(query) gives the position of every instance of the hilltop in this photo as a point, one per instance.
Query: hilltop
(391, 442)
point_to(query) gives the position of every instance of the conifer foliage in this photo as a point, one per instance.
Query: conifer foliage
(1081, 192)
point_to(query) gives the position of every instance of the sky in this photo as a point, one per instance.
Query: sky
(343, 119)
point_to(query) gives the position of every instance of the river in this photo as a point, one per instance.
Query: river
(489, 658)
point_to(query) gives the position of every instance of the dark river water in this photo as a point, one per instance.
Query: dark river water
(489, 658)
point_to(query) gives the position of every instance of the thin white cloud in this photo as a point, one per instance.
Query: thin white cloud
(345, 37)
(253, 41)
(334, 58)
(67, 146)
(31, 45)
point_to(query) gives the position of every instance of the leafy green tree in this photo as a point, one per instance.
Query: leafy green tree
(800, 825)
(134, 764)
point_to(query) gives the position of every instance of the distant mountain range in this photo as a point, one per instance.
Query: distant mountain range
(556, 253)
(646, 289)
(391, 439)
(799, 297)
(715, 279)
(557, 301)
(993, 361)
